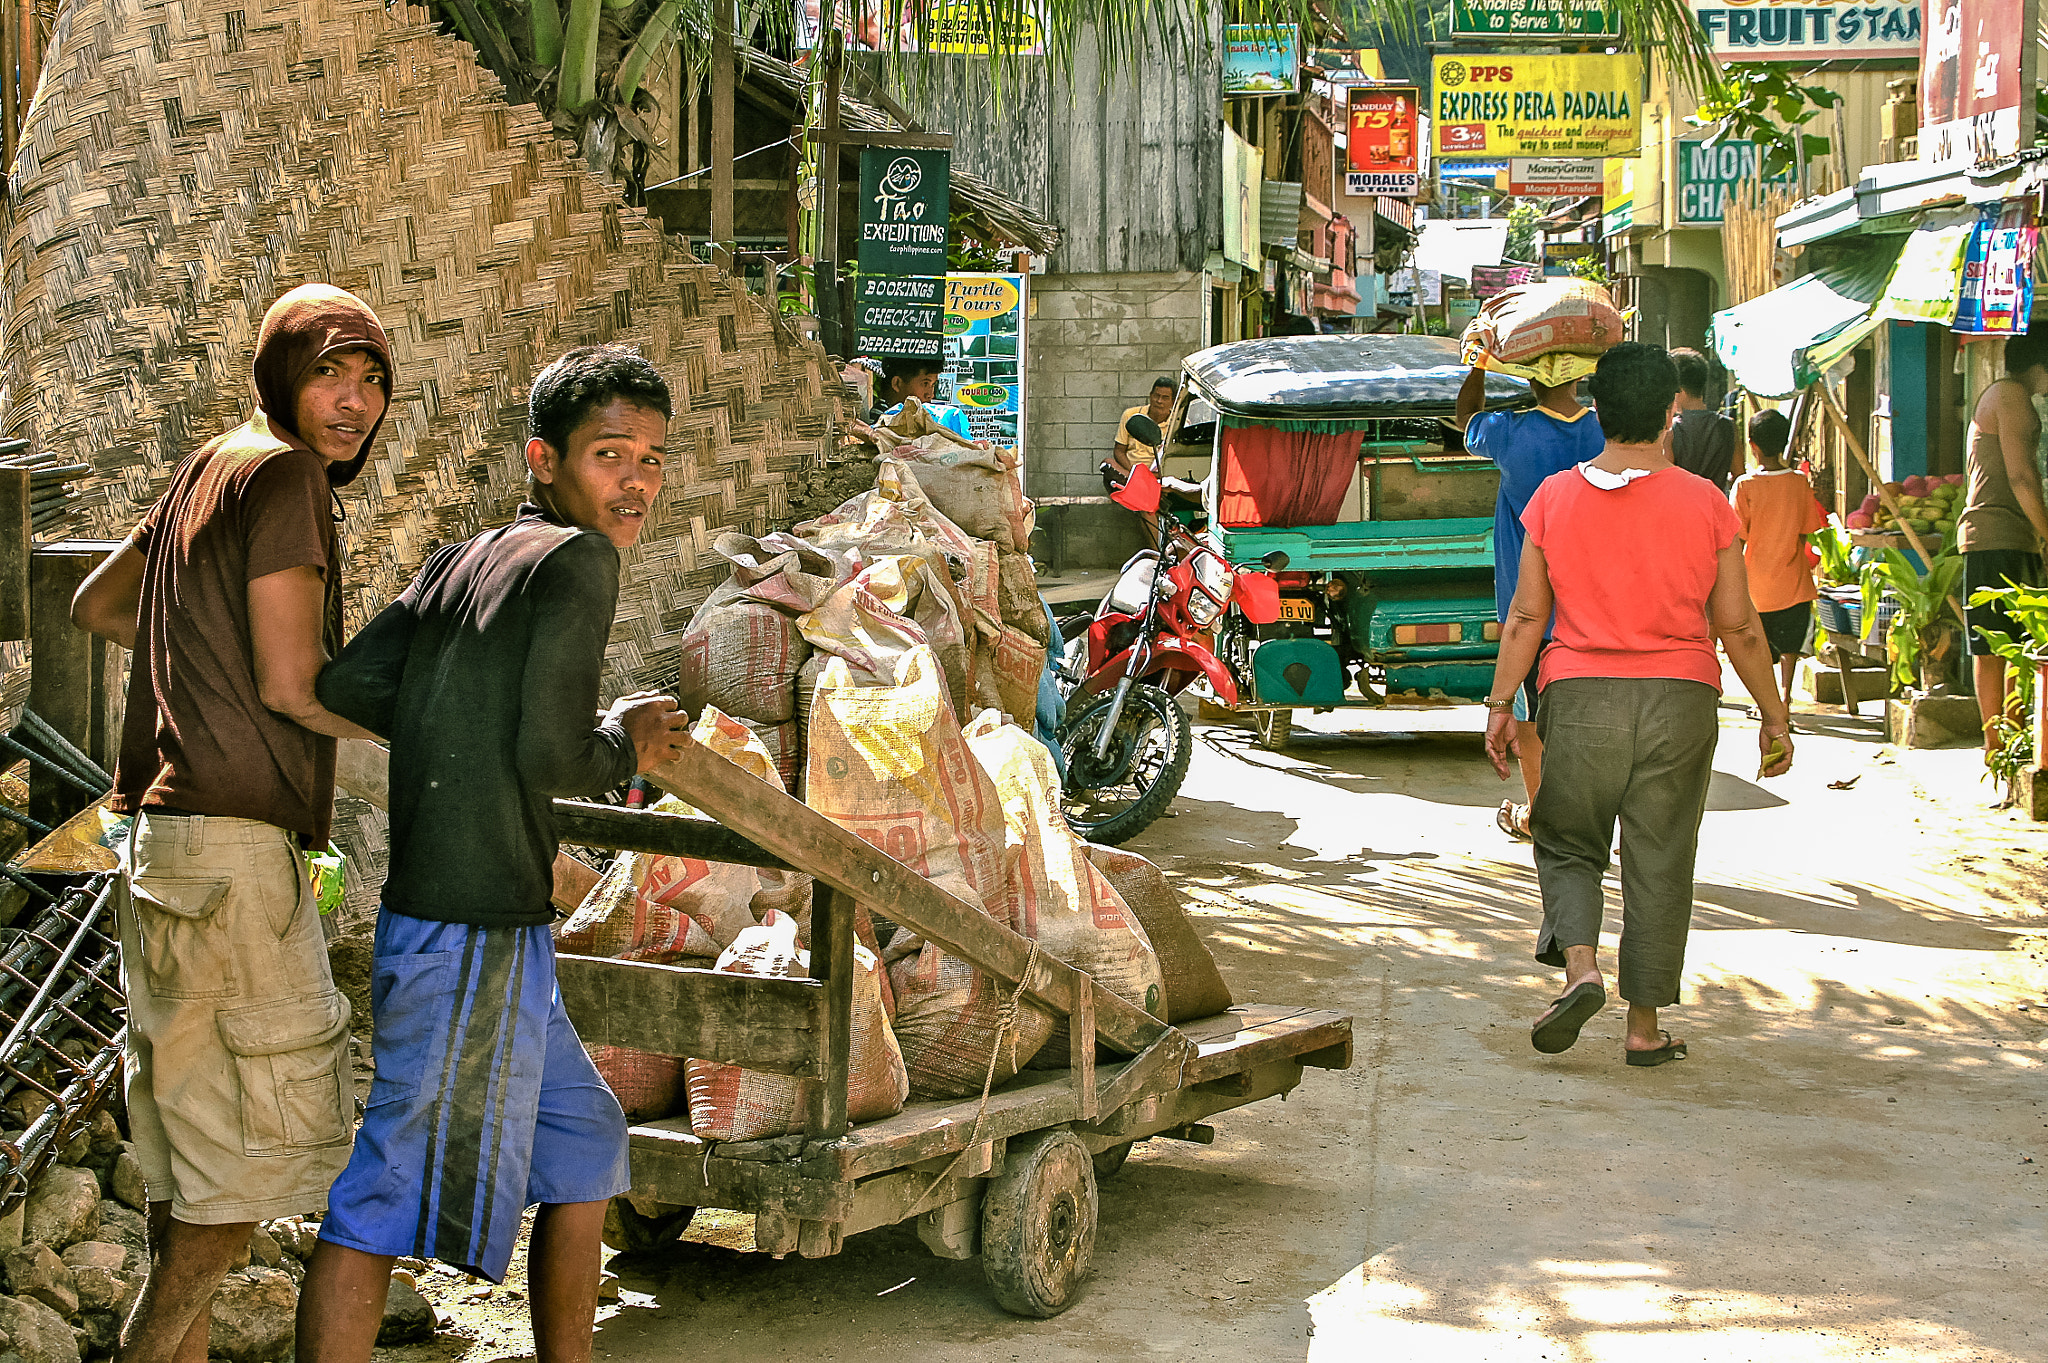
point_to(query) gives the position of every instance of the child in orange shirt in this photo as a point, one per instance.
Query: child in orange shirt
(1778, 510)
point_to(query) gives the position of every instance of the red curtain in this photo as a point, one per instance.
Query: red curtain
(1276, 477)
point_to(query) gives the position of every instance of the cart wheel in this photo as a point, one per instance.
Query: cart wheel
(1274, 728)
(627, 1228)
(1107, 1162)
(1038, 1225)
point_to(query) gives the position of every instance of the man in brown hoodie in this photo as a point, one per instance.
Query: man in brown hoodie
(239, 1091)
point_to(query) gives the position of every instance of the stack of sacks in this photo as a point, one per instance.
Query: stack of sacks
(728, 1103)
(675, 910)
(924, 571)
(1551, 333)
(1057, 896)
(743, 650)
(890, 764)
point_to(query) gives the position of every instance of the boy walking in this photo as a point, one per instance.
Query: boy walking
(229, 593)
(1778, 511)
(484, 676)
(1554, 435)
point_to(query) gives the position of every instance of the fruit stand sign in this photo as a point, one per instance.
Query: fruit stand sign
(1552, 178)
(1537, 19)
(1382, 147)
(1261, 59)
(905, 207)
(1501, 105)
(1798, 30)
(1708, 174)
(899, 317)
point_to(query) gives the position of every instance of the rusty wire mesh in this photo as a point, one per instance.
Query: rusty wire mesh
(63, 1022)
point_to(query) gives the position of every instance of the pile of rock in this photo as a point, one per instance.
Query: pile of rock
(74, 1255)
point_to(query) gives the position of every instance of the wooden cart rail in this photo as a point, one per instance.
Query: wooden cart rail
(795, 1027)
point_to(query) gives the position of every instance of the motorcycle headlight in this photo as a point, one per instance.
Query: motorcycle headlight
(1213, 580)
(1203, 609)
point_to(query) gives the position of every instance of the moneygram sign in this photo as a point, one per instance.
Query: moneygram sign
(1537, 106)
(1768, 31)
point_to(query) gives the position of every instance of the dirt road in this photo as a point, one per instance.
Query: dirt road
(1844, 1168)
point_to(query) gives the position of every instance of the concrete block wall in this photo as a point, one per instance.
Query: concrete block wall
(1096, 342)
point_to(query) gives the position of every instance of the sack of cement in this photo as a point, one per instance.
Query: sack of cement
(1548, 331)
(728, 1103)
(742, 649)
(1194, 986)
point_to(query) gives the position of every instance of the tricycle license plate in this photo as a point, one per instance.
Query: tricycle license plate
(1294, 609)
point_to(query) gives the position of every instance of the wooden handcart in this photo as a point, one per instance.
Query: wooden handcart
(1011, 1178)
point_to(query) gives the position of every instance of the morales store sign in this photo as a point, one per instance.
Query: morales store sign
(1570, 106)
(1382, 149)
(1803, 30)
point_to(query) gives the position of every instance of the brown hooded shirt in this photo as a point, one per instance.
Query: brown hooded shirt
(256, 501)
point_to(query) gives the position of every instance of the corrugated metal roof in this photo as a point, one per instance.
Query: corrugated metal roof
(1279, 212)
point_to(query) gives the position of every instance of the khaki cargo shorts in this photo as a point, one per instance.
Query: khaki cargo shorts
(240, 1097)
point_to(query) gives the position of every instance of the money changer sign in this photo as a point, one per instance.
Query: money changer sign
(1514, 105)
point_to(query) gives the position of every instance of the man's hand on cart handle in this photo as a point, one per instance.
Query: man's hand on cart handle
(655, 723)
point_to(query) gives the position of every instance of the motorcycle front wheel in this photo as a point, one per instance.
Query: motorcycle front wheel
(1114, 799)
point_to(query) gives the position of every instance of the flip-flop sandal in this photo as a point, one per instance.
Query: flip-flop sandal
(1513, 820)
(1670, 1050)
(1559, 1028)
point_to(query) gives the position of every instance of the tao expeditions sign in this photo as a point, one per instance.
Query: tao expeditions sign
(905, 210)
(1708, 175)
(1538, 19)
(1775, 31)
(1514, 105)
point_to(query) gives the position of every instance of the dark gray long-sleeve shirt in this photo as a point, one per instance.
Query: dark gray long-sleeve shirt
(483, 676)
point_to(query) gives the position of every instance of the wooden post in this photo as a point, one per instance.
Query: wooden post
(15, 547)
(831, 317)
(723, 232)
(832, 963)
(1081, 1048)
(9, 131)
(69, 672)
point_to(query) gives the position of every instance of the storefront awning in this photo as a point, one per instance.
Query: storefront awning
(1777, 343)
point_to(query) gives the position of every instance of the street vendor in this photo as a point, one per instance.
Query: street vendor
(229, 594)
(484, 676)
(2004, 523)
(1554, 435)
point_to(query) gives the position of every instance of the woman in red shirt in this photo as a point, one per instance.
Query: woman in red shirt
(1642, 563)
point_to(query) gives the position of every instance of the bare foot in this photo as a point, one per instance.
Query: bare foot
(1644, 1034)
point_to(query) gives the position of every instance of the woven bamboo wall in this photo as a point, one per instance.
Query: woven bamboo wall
(187, 161)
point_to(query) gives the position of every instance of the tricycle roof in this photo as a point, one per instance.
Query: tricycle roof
(1280, 378)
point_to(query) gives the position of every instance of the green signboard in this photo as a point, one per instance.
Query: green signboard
(1535, 19)
(899, 317)
(1708, 174)
(905, 206)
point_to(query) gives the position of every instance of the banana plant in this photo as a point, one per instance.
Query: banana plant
(1921, 626)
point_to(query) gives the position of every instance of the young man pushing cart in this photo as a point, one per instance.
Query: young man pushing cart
(484, 677)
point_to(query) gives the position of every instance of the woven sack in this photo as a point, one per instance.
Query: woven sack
(1061, 901)
(889, 764)
(728, 1103)
(742, 657)
(1194, 986)
(975, 489)
(1018, 602)
(1018, 661)
(647, 1084)
(1573, 315)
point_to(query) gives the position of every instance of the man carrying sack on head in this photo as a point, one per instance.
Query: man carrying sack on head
(484, 675)
(239, 1091)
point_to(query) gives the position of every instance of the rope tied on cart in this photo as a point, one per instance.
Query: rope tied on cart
(1006, 1026)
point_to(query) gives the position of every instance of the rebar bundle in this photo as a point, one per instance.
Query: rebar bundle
(63, 1015)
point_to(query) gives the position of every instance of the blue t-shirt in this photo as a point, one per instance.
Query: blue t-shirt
(952, 418)
(1529, 446)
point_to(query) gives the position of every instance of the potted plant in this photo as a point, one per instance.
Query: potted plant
(1925, 638)
(2026, 672)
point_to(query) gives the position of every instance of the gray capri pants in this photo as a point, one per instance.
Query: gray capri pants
(1640, 749)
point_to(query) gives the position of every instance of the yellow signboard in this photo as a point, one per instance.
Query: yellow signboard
(1515, 105)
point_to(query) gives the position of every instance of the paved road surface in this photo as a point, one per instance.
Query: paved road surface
(1846, 1166)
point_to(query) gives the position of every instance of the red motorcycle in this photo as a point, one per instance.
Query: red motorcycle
(1125, 740)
